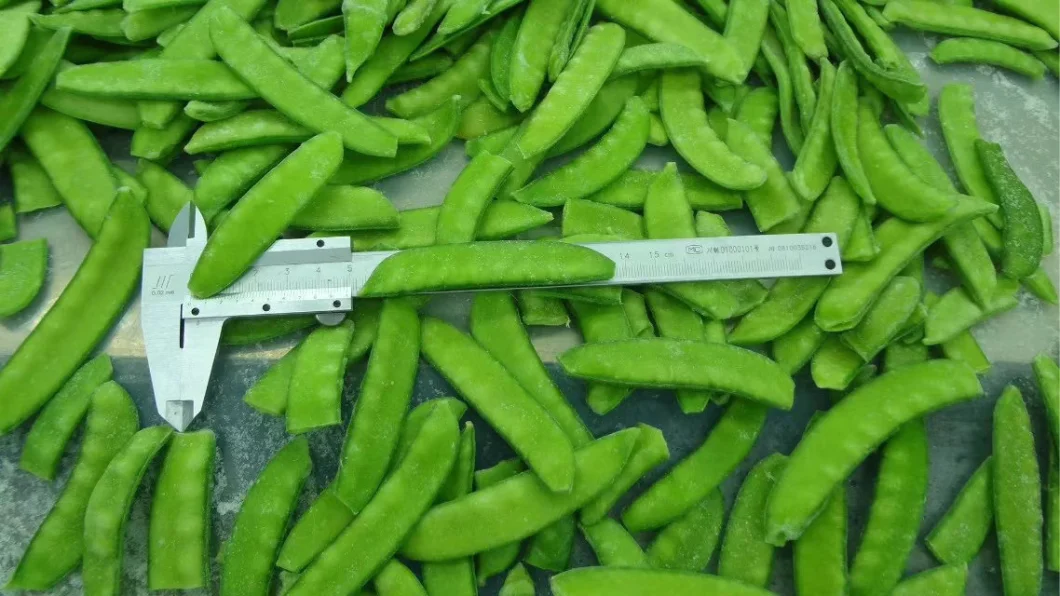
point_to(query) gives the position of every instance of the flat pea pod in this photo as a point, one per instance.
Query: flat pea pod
(530, 54)
(467, 199)
(849, 296)
(486, 264)
(178, 555)
(817, 160)
(897, 508)
(667, 213)
(859, 423)
(956, 106)
(967, 21)
(15, 26)
(982, 51)
(601, 113)
(693, 478)
(416, 227)
(232, 174)
(676, 321)
(460, 80)
(630, 190)
(589, 217)
(250, 553)
(758, 110)
(602, 164)
(95, 297)
(820, 554)
(103, 23)
(148, 24)
(775, 201)
(957, 538)
(637, 313)
(347, 208)
(895, 187)
(248, 129)
(448, 530)
(956, 312)
(1017, 487)
(32, 188)
(798, 69)
(386, 390)
(613, 545)
(806, 28)
(518, 583)
(456, 577)
(56, 424)
(649, 452)
(57, 546)
(315, 388)
(501, 56)
(1047, 375)
(598, 581)
(744, 29)
(574, 89)
(318, 527)
(773, 53)
(424, 68)
(795, 348)
(681, 108)
(844, 128)
(280, 84)
(966, 349)
(364, 21)
(75, 163)
(1052, 516)
(518, 417)
(204, 80)
(397, 579)
(290, 15)
(23, 269)
(269, 394)
(497, 560)
(162, 144)
(834, 365)
(1023, 235)
(377, 533)
(108, 508)
(948, 580)
(166, 196)
(655, 56)
(746, 556)
(551, 548)
(885, 319)
(536, 308)
(249, 229)
(688, 543)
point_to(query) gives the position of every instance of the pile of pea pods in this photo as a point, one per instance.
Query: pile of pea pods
(271, 98)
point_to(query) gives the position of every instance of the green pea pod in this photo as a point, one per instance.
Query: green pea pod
(456, 577)
(15, 27)
(57, 546)
(395, 578)
(377, 533)
(613, 545)
(1017, 496)
(941, 581)
(56, 424)
(550, 549)
(269, 394)
(888, 401)
(204, 80)
(601, 113)
(23, 269)
(536, 308)
(775, 201)
(1023, 235)
(956, 105)
(1052, 516)
(834, 365)
(820, 554)
(365, 20)
(318, 527)
(33, 190)
(773, 52)
(417, 227)
(798, 69)
(108, 509)
(795, 348)
(968, 22)
(603, 323)
(1047, 374)
(649, 452)
(965, 348)
(885, 319)
(250, 552)
(688, 543)
(817, 160)
(460, 80)
(166, 196)
(17, 102)
(745, 554)
(677, 321)
(538, 33)
(957, 538)
(315, 388)
(589, 217)
(844, 128)
(518, 583)
(497, 560)
(466, 201)
(446, 531)
(693, 478)
(982, 51)
(956, 312)
(589, 581)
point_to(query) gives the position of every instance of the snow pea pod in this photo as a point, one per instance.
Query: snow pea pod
(744, 29)
(817, 160)
(649, 451)
(108, 509)
(518, 583)
(758, 110)
(291, 14)
(891, 530)
(844, 129)
(967, 21)
(538, 33)
(146, 24)
(885, 319)
(456, 577)
(280, 84)
(460, 80)
(417, 227)
(956, 312)
(15, 27)
(232, 174)
(205, 80)
(519, 418)
(536, 308)
(601, 165)
(249, 229)
(180, 521)
(956, 105)
(315, 388)
(773, 53)
(250, 553)
(1047, 375)
(601, 113)
(983, 51)
(806, 28)
(597, 581)
(820, 554)
(966, 349)
(941, 581)
(688, 543)
(655, 56)
(629, 191)
(637, 313)
(23, 269)
(1017, 488)
(467, 199)
(95, 297)
(746, 556)
(377, 533)
(449, 531)
(859, 423)
(1038, 13)
(102, 23)
(550, 549)
(1023, 235)
(805, 94)
(834, 365)
(248, 129)
(775, 201)
(57, 546)
(693, 478)
(957, 538)
(162, 144)
(849, 296)
(795, 348)
(269, 393)
(364, 22)
(613, 545)
(681, 108)
(486, 264)
(677, 321)
(588, 217)
(347, 208)
(32, 188)
(52, 430)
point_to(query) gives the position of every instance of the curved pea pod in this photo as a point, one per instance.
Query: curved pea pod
(450, 530)
(269, 394)
(396, 578)
(798, 69)
(471, 193)
(18, 101)
(774, 202)
(834, 365)
(613, 545)
(655, 56)
(956, 312)
(251, 228)
(95, 297)
(532, 49)
(885, 319)
(57, 546)
(593, 170)
(957, 538)
(1023, 235)
(681, 108)
(250, 552)
(601, 113)
(795, 348)
(820, 554)
(60, 418)
(416, 227)
(678, 364)
(1017, 488)
(956, 105)
(844, 128)
(180, 515)
(518, 417)
(630, 190)
(486, 264)
(317, 528)
(597, 581)
(898, 506)
(969, 22)
(746, 556)
(852, 429)
(817, 160)
(649, 452)
(850, 295)
(941, 581)
(982, 51)
(108, 508)
(23, 269)
(688, 543)
(315, 388)
(376, 534)
(692, 479)
(460, 80)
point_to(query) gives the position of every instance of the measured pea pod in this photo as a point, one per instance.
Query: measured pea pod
(882, 405)
(1017, 488)
(982, 51)
(1023, 235)
(693, 478)
(57, 546)
(746, 556)
(969, 22)
(688, 543)
(108, 509)
(466, 201)
(315, 388)
(23, 270)
(957, 537)
(592, 581)
(942, 581)
(18, 101)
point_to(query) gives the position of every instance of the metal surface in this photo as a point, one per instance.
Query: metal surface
(1022, 115)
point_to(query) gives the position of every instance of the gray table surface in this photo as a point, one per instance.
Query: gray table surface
(1023, 115)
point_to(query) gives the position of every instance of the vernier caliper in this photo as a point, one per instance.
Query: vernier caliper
(322, 276)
